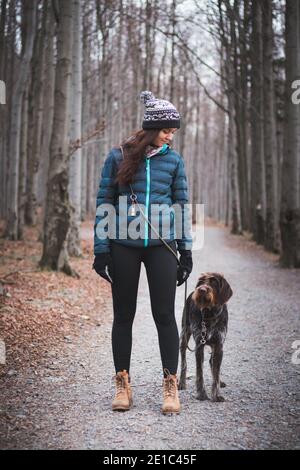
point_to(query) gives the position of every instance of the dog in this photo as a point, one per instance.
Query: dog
(205, 316)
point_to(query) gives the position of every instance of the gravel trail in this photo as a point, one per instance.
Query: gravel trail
(72, 406)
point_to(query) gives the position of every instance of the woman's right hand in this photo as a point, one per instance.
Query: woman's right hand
(103, 266)
(186, 266)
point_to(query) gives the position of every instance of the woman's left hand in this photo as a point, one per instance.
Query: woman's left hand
(103, 266)
(185, 267)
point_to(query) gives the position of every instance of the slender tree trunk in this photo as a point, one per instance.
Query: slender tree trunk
(148, 45)
(159, 85)
(243, 113)
(232, 142)
(270, 150)
(172, 74)
(290, 201)
(38, 70)
(258, 197)
(220, 167)
(86, 111)
(90, 173)
(57, 216)
(15, 125)
(183, 100)
(74, 248)
(48, 104)
(2, 37)
(195, 164)
(3, 112)
(23, 165)
(9, 78)
(236, 224)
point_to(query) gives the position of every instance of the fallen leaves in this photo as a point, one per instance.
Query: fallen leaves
(43, 309)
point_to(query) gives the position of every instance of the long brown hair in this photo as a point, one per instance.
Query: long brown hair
(134, 149)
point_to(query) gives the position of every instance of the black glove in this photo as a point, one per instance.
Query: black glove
(185, 267)
(103, 266)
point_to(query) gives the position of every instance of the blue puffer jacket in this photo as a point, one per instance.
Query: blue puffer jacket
(160, 179)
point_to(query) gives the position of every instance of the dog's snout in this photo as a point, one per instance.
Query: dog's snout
(204, 289)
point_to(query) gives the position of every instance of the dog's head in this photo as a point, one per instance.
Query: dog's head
(212, 290)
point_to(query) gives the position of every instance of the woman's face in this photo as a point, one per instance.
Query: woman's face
(165, 136)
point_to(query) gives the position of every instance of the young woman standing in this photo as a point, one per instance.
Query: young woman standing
(145, 171)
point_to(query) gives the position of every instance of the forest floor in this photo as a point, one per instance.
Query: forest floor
(56, 385)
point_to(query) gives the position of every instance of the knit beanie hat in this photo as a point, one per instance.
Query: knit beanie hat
(159, 114)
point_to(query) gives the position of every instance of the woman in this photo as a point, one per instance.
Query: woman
(143, 173)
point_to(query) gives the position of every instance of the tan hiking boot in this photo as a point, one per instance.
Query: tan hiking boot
(171, 398)
(123, 397)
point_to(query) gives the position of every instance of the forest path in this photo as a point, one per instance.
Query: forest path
(72, 408)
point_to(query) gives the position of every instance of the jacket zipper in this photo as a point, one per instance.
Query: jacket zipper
(146, 241)
(147, 200)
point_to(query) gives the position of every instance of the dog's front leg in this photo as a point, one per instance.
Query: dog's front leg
(184, 339)
(215, 363)
(201, 392)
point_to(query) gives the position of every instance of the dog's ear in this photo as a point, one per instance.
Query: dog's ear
(225, 291)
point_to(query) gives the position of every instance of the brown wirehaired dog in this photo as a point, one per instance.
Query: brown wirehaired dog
(205, 316)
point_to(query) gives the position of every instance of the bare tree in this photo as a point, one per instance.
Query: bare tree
(3, 113)
(75, 134)
(29, 12)
(36, 119)
(57, 215)
(173, 49)
(290, 201)
(270, 149)
(227, 31)
(48, 104)
(258, 196)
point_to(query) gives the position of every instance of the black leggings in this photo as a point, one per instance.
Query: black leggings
(161, 269)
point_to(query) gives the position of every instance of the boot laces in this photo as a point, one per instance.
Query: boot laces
(169, 384)
(120, 384)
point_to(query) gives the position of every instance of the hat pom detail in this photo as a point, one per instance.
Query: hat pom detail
(146, 96)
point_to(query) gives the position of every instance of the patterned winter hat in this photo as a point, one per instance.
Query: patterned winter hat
(159, 114)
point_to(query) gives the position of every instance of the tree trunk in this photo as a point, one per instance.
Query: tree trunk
(57, 216)
(2, 37)
(15, 127)
(9, 76)
(270, 150)
(195, 164)
(74, 248)
(183, 106)
(3, 112)
(290, 201)
(172, 74)
(38, 71)
(87, 181)
(23, 166)
(148, 45)
(236, 224)
(258, 197)
(48, 105)
(242, 124)
(232, 142)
